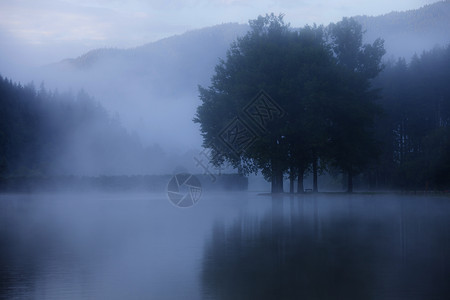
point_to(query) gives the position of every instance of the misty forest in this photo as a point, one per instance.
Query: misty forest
(385, 124)
(308, 161)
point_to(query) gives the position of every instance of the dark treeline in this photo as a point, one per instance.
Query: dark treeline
(331, 109)
(414, 129)
(60, 142)
(50, 133)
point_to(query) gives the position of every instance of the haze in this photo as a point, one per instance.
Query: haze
(153, 54)
(49, 31)
(224, 149)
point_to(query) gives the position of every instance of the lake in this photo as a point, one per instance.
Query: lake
(237, 245)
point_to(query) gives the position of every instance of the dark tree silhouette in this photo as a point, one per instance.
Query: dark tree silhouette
(319, 84)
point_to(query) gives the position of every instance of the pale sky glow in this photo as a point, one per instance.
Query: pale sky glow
(68, 28)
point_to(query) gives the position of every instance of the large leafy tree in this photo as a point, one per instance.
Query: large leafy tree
(322, 103)
(352, 144)
(254, 63)
(285, 64)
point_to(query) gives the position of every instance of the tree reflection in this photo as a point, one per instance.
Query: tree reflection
(294, 253)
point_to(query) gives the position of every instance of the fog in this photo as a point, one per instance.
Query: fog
(216, 150)
(152, 87)
(151, 90)
(136, 246)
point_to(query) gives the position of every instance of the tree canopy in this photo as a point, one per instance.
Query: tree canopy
(285, 99)
(415, 126)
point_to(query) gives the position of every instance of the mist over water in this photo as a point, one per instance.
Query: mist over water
(161, 171)
(230, 245)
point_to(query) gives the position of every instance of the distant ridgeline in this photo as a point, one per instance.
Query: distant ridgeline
(162, 65)
(137, 183)
(410, 32)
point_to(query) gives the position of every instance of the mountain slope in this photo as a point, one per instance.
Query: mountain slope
(184, 60)
(409, 32)
(154, 87)
(174, 66)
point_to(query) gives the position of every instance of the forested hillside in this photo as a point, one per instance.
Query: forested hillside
(414, 129)
(51, 133)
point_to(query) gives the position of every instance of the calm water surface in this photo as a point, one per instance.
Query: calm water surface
(228, 246)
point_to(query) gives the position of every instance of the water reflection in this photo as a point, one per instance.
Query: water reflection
(229, 246)
(335, 247)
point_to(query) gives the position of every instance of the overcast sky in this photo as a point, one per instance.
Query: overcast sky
(44, 31)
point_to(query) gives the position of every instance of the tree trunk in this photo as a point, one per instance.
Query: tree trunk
(350, 181)
(273, 186)
(274, 177)
(315, 170)
(291, 180)
(279, 181)
(277, 177)
(276, 182)
(300, 188)
(301, 172)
